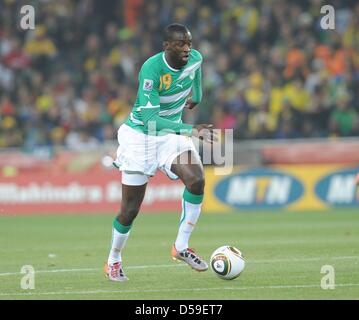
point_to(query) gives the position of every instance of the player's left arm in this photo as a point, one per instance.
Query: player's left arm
(196, 90)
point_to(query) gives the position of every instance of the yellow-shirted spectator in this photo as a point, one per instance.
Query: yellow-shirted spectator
(247, 17)
(58, 135)
(118, 109)
(351, 41)
(114, 57)
(261, 119)
(276, 97)
(90, 64)
(296, 95)
(40, 44)
(254, 94)
(351, 35)
(44, 102)
(7, 122)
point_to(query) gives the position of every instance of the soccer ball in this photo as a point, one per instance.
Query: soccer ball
(227, 262)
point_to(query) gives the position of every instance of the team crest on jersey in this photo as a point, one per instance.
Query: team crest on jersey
(148, 85)
(191, 75)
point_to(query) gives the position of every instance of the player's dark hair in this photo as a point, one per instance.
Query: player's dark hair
(173, 28)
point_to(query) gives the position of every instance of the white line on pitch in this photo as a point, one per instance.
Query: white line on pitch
(97, 269)
(305, 259)
(175, 290)
(182, 265)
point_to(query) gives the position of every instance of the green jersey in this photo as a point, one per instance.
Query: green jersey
(162, 94)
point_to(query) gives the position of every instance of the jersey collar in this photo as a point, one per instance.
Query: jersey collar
(168, 66)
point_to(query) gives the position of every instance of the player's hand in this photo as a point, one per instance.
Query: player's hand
(205, 132)
(190, 104)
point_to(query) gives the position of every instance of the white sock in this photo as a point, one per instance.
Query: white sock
(118, 242)
(189, 217)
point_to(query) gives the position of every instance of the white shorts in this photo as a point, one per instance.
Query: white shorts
(140, 155)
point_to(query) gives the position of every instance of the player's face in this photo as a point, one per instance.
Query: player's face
(180, 47)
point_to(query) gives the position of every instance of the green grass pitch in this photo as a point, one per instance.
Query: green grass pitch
(284, 252)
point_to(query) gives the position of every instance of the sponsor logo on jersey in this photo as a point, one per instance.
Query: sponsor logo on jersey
(339, 188)
(148, 85)
(259, 189)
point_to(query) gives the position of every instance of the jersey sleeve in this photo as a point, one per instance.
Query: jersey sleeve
(149, 104)
(197, 86)
(148, 86)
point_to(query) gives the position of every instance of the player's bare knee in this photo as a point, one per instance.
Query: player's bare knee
(127, 215)
(196, 184)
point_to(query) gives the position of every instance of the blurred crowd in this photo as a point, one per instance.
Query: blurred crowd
(269, 72)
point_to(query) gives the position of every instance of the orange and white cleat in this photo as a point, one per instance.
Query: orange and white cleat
(114, 272)
(190, 257)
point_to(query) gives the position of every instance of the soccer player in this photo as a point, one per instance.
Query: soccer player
(154, 137)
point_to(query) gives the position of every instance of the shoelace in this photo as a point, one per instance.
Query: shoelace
(194, 256)
(115, 270)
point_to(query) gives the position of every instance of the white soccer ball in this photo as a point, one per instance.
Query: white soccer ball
(227, 262)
